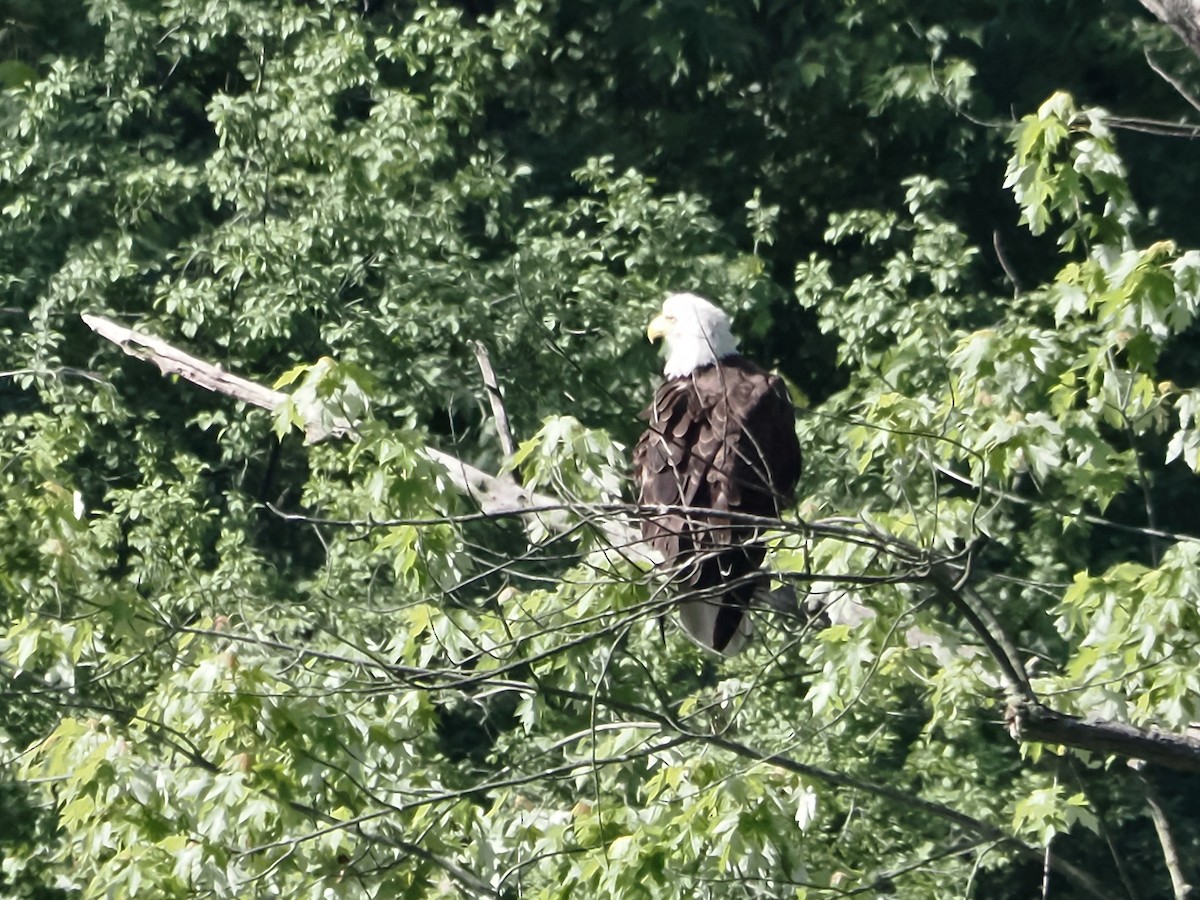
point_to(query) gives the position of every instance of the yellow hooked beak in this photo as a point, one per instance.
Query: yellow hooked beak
(658, 327)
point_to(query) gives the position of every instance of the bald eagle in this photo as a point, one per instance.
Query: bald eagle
(721, 436)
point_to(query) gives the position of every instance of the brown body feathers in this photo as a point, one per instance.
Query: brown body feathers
(722, 438)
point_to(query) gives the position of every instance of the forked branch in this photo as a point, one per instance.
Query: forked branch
(494, 496)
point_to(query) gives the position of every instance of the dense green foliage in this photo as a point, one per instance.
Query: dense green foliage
(993, 321)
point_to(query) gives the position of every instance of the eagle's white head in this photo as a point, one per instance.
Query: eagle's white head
(695, 331)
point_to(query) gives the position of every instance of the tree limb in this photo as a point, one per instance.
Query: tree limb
(985, 624)
(1183, 17)
(1173, 82)
(495, 398)
(494, 496)
(977, 828)
(1035, 722)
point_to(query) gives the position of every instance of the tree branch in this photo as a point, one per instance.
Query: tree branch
(977, 828)
(494, 496)
(1035, 722)
(1183, 17)
(496, 399)
(1179, 883)
(1173, 82)
(1002, 258)
(985, 624)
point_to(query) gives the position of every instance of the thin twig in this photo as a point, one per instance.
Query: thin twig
(1064, 513)
(1047, 866)
(1105, 833)
(977, 828)
(1143, 478)
(1006, 265)
(1154, 126)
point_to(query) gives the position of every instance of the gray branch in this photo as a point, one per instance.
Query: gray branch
(1183, 17)
(496, 399)
(494, 496)
(1171, 857)
(1034, 722)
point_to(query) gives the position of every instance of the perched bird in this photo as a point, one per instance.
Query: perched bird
(720, 438)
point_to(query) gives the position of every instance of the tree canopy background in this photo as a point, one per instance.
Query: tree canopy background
(239, 664)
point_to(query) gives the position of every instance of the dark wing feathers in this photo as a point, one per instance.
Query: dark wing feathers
(723, 439)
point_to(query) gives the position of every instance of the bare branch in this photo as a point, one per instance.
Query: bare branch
(1002, 257)
(1155, 126)
(1183, 17)
(496, 399)
(1173, 82)
(1034, 722)
(1065, 514)
(173, 361)
(1179, 883)
(469, 881)
(494, 496)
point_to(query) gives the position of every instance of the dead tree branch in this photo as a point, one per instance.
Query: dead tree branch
(1173, 82)
(1166, 839)
(1035, 722)
(1182, 16)
(496, 399)
(494, 496)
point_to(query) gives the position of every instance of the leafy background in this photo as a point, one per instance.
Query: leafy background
(961, 231)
